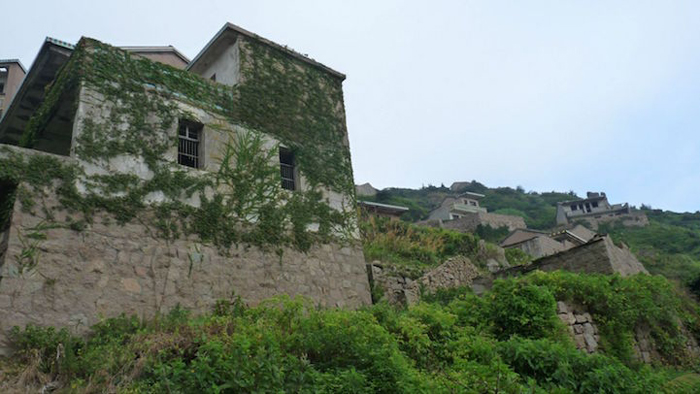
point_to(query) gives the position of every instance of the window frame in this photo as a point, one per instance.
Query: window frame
(192, 141)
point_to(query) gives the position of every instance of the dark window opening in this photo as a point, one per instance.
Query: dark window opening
(574, 207)
(7, 202)
(188, 147)
(2, 87)
(595, 204)
(287, 169)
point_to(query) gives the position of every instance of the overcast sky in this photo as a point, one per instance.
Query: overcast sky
(551, 95)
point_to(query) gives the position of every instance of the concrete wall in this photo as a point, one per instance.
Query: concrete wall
(226, 66)
(106, 269)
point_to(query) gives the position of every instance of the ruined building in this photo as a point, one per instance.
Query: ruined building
(595, 209)
(129, 185)
(464, 213)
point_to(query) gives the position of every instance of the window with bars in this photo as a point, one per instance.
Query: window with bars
(188, 147)
(287, 169)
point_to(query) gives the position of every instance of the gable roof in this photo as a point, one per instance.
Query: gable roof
(230, 28)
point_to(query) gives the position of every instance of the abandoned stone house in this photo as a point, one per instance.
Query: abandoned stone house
(379, 210)
(543, 243)
(129, 185)
(595, 209)
(464, 213)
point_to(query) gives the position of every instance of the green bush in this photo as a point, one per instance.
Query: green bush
(518, 308)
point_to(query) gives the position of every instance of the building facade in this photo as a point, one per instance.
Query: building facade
(135, 187)
(595, 205)
(12, 73)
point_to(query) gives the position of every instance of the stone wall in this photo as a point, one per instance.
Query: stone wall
(470, 221)
(397, 289)
(632, 219)
(580, 325)
(106, 269)
(599, 255)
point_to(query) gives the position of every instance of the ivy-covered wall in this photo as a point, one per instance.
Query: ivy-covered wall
(125, 138)
(122, 193)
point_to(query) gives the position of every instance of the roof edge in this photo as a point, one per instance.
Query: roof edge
(284, 49)
(164, 49)
(16, 61)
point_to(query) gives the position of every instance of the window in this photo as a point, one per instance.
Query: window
(188, 148)
(2, 87)
(595, 204)
(287, 169)
(574, 207)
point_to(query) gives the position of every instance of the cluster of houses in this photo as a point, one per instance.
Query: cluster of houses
(463, 212)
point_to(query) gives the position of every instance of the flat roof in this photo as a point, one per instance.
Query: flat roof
(396, 208)
(231, 27)
(15, 61)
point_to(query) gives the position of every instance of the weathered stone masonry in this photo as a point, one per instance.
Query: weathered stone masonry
(108, 269)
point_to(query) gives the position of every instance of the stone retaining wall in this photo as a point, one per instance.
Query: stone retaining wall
(108, 269)
(580, 325)
(397, 289)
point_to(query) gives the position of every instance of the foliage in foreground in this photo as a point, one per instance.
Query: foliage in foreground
(509, 340)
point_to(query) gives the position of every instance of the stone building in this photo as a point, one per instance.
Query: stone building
(598, 255)
(130, 186)
(595, 209)
(464, 213)
(542, 243)
(12, 73)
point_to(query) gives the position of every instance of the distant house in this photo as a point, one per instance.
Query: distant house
(11, 75)
(464, 213)
(541, 243)
(376, 209)
(457, 207)
(594, 205)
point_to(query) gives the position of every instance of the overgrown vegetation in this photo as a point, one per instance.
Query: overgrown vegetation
(413, 249)
(510, 340)
(669, 245)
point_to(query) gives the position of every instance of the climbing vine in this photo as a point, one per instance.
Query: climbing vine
(133, 107)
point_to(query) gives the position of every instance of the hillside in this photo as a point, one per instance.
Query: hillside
(669, 246)
(538, 209)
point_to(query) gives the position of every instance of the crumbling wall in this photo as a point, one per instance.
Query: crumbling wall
(74, 277)
(398, 289)
(632, 219)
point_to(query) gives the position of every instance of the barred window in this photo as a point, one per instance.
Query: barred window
(287, 169)
(188, 147)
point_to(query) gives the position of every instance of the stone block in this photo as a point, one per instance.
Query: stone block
(561, 307)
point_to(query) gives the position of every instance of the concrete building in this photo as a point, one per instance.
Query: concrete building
(595, 205)
(12, 73)
(371, 208)
(464, 213)
(457, 207)
(127, 186)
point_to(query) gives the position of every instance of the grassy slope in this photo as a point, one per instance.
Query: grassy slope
(510, 340)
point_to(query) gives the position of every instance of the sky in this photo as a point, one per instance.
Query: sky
(547, 95)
